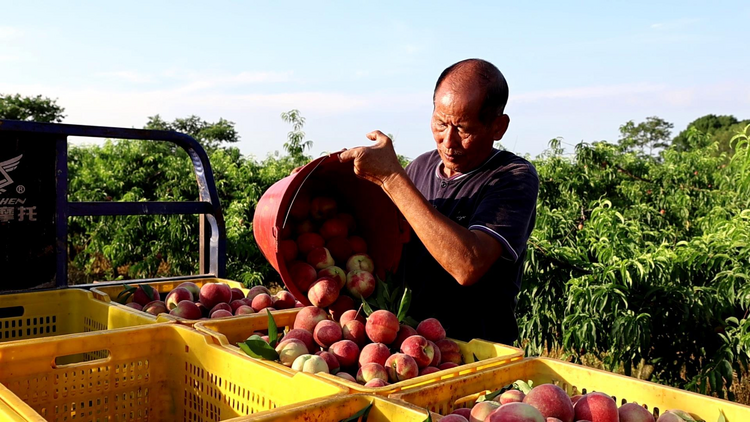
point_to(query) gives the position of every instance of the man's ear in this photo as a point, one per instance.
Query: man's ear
(500, 126)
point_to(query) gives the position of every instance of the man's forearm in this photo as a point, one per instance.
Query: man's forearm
(464, 254)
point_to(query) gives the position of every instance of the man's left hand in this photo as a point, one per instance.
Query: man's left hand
(377, 163)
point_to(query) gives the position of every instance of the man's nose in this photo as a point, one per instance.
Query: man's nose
(451, 139)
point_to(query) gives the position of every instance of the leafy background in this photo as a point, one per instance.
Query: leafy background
(639, 262)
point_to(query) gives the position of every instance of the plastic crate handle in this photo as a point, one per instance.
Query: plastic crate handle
(12, 312)
(92, 357)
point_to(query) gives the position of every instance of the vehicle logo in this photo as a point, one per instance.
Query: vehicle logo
(5, 168)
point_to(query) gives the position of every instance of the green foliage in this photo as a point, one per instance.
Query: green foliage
(645, 137)
(720, 128)
(643, 261)
(36, 109)
(210, 135)
(296, 144)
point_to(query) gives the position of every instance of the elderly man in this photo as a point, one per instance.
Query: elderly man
(471, 206)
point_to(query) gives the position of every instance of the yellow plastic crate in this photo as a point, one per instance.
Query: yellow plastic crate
(229, 332)
(61, 312)
(335, 409)
(159, 372)
(448, 395)
(109, 294)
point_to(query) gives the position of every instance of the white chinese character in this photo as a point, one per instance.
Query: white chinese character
(27, 212)
(6, 214)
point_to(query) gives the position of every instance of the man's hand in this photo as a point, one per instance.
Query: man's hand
(377, 163)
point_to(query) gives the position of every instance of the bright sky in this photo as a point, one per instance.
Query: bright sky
(576, 70)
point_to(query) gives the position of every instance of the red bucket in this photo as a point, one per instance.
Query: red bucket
(379, 221)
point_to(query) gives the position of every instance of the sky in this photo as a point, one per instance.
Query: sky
(576, 70)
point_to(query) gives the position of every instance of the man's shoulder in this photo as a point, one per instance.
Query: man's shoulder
(506, 162)
(424, 162)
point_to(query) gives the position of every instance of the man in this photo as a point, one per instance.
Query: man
(471, 207)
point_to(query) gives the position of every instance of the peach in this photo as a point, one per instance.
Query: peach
(320, 258)
(340, 249)
(187, 310)
(633, 412)
(335, 273)
(323, 292)
(596, 407)
(371, 371)
(420, 349)
(359, 246)
(374, 352)
(288, 250)
(244, 310)
(334, 227)
(236, 304)
(376, 383)
(142, 298)
(447, 365)
(303, 275)
(382, 327)
(311, 364)
(326, 333)
(552, 420)
(220, 306)
(360, 262)
(156, 307)
(261, 301)
(213, 293)
(551, 401)
(404, 332)
(453, 418)
(431, 329)
(283, 300)
(268, 308)
(255, 291)
(575, 398)
(436, 357)
(305, 337)
(516, 412)
(401, 367)
(346, 376)
(352, 314)
(299, 304)
(136, 305)
(482, 410)
(193, 288)
(346, 352)
(308, 317)
(510, 396)
(202, 308)
(286, 232)
(355, 331)
(450, 351)
(668, 416)
(331, 361)
(289, 350)
(429, 370)
(300, 206)
(306, 226)
(323, 207)
(220, 313)
(237, 294)
(306, 242)
(351, 223)
(465, 412)
(360, 284)
(342, 304)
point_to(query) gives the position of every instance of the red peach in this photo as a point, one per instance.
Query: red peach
(371, 371)
(374, 352)
(304, 336)
(290, 349)
(346, 376)
(255, 291)
(306, 242)
(401, 367)
(346, 352)
(510, 396)
(331, 361)
(156, 307)
(447, 365)
(465, 412)
(237, 293)
(352, 314)
(355, 331)
(334, 227)
(326, 333)
(404, 332)
(214, 293)
(351, 223)
(220, 306)
(670, 416)
(323, 292)
(382, 327)
(376, 383)
(453, 418)
(142, 298)
(136, 305)
(340, 249)
(286, 232)
(263, 310)
(342, 304)
(236, 304)
(553, 420)
(481, 411)
(283, 300)
(300, 207)
(575, 398)
(202, 308)
(308, 317)
(262, 301)
(244, 310)
(515, 412)
(436, 357)
(429, 370)
(320, 258)
(551, 401)
(360, 283)
(306, 226)
(323, 207)
(299, 304)
(193, 288)
(288, 249)
(431, 329)
(360, 262)
(420, 349)
(335, 273)
(633, 412)
(359, 246)
(303, 275)
(597, 407)
(220, 313)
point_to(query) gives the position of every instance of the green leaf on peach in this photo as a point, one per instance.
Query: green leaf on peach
(361, 414)
(273, 331)
(256, 347)
(403, 306)
(148, 290)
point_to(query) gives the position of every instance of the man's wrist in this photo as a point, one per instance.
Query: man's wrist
(394, 181)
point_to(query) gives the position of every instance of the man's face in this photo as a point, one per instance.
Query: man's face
(463, 141)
